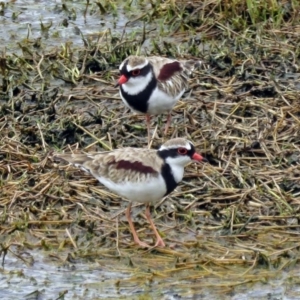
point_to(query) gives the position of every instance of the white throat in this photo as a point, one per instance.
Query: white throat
(176, 167)
(135, 85)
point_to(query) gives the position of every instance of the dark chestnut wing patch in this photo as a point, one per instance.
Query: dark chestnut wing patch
(168, 70)
(134, 166)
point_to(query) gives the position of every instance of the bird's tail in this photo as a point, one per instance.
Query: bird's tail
(192, 65)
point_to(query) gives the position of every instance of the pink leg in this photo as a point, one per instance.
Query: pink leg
(159, 240)
(135, 237)
(169, 117)
(148, 120)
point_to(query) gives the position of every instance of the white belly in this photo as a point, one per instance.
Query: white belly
(160, 102)
(150, 191)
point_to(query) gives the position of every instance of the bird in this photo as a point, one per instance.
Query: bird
(152, 85)
(139, 174)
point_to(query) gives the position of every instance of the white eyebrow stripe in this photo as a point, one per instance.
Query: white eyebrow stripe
(187, 146)
(141, 66)
(122, 65)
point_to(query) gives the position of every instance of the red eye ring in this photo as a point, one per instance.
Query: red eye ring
(136, 72)
(182, 151)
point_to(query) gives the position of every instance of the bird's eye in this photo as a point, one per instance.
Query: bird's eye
(136, 72)
(182, 151)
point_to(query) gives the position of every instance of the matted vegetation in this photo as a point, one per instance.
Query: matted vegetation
(236, 218)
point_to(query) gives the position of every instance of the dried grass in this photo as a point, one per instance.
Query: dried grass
(232, 218)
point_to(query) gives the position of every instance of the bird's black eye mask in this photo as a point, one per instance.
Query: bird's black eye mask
(175, 152)
(135, 72)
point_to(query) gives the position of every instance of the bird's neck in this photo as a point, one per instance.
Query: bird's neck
(168, 175)
(135, 86)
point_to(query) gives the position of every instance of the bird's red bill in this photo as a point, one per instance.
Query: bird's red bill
(197, 157)
(122, 79)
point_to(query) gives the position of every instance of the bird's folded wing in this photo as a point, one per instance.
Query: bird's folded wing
(118, 165)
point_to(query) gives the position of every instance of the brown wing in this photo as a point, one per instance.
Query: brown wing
(158, 64)
(118, 165)
(171, 75)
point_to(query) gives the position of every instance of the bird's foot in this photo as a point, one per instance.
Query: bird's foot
(141, 244)
(160, 243)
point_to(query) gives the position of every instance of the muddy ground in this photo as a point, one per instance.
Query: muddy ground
(233, 222)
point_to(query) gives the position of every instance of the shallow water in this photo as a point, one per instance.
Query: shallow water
(18, 280)
(30, 14)
(43, 278)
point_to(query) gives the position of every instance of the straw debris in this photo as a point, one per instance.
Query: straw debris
(229, 218)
